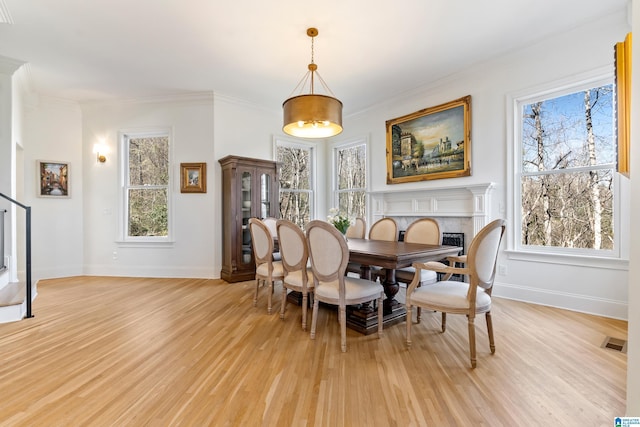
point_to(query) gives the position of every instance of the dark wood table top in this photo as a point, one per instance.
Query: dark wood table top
(394, 255)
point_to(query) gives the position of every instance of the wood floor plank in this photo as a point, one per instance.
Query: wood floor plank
(137, 351)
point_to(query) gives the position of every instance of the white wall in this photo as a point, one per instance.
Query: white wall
(53, 132)
(193, 251)
(580, 50)
(633, 346)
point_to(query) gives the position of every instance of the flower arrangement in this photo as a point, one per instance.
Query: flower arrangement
(340, 222)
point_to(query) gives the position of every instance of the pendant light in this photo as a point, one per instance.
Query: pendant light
(312, 115)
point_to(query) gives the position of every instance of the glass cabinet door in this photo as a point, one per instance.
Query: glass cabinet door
(265, 195)
(247, 201)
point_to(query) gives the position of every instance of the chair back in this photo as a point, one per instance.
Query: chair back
(357, 230)
(328, 251)
(384, 229)
(271, 222)
(293, 246)
(261, 241)
(483, 254)
(425, 231)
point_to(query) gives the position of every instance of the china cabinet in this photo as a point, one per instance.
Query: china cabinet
(249, 190)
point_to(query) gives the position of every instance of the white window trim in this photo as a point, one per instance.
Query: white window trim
(348, 143)
(123, 239)
(279, 141)
(616, 259)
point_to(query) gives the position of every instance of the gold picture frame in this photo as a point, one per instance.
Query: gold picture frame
(193, 177)
(433, 143)
(53, 179)
(623, 103)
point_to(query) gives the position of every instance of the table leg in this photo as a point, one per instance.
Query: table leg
(391, 288)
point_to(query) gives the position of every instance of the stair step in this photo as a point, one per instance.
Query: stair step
(12, 294)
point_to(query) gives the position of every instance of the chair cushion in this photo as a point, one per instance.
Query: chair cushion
(277, 256)
(449, 294)
(405, 275)
(355, 289)
(263, 269)
(294, 279)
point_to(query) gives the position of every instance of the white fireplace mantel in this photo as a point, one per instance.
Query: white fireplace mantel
(466, 201)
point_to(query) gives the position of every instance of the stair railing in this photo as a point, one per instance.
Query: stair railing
(27, 210)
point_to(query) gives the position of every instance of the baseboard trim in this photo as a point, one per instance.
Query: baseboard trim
(581, 303)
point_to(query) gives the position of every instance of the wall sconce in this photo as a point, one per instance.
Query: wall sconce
(101, 150)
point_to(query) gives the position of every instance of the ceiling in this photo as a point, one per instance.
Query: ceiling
(258, 50)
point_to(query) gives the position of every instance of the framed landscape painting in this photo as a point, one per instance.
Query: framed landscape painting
(432, 143)
(53, 179)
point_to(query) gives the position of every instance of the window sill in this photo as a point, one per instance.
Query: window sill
(157, 244)
(572, 260)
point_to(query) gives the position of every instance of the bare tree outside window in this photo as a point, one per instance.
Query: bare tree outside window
(147, 186)
(567, 168)
(296, 192)
(351, 166)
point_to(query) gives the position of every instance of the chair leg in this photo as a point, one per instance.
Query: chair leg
(444, 321)
(255, 297)
(283, 304)
(408, 307)
(270, 292)
(472, 341)
(492, 344)
(305, 299)
(314, 319)
(380, 318)
(343, 328)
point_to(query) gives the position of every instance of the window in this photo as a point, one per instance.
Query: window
(146, 189)
(296, 181)
(351, 178)
(565, 181)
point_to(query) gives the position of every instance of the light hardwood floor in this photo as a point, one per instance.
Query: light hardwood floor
(158, 352)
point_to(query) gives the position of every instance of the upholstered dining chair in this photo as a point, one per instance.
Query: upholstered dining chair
(270, 222)
(297, 276)
(384, 229)
(357, 230)
(425, 231)
(267, 270)
(456, 297)
(329, 255)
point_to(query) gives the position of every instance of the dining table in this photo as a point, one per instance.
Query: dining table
(389, 255)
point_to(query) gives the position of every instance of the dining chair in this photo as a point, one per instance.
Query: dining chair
(357, 230)
(384, 229)
(329, 255)
(270, 222)
(297, 276)
(425, 231)
(267, 270)
(469, 298)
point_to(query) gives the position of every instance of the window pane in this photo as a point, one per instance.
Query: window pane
(149, 161)
(148, 212)
(295, 168)
(573, 130)
(570, 210)
(352, 203)
(295, 207)
(352, 167)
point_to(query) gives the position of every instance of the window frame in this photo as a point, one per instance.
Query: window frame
(312, 148)
(615, 258)
(335, 192)
(123, 209)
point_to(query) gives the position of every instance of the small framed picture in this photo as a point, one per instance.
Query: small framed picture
(53, 179)
(193, 177)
